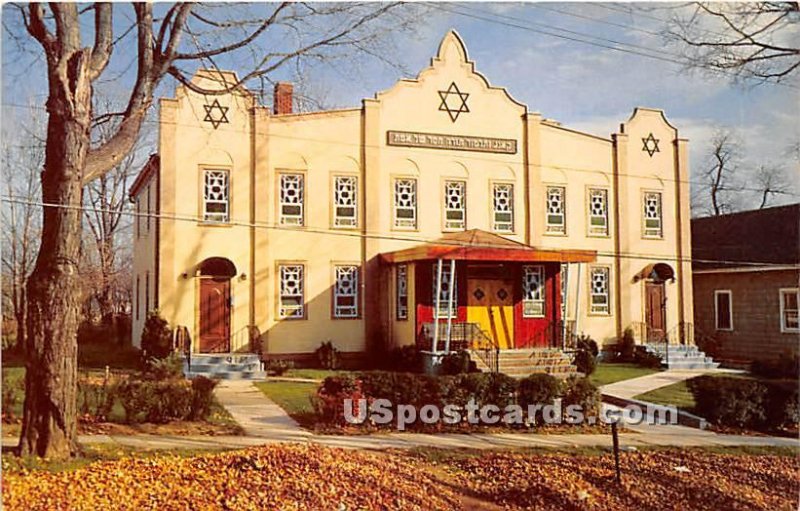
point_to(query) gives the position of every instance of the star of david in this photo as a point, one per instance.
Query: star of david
(650, 145)
(454, 102)
(218, 118)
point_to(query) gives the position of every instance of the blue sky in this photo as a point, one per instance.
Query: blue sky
(583, 86)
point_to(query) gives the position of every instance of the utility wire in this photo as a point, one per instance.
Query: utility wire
(464, 155)
(366, 234)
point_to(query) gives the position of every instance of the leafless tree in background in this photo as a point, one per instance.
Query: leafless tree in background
(78, 42)
(770, 181)
(750, 40)
(717, 195)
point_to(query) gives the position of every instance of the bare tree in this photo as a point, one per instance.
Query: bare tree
(750, 40)
(22, 159)
(770, 181)
(176, 36)
(717, 195)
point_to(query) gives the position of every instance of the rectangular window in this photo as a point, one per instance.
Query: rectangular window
(345, 197)
(291, 199)
(598, 211)
(556, 210)
(455, 205)
(599, 291)
(147, 293)
(444, 294)
(401, 285)
(138, 216)
(405, 203)
(790, 298)
(137, 298)
(345, 292)
(652, 215)
(216, 196)
(503, 207)
(291, 291)
(147, 220)
(533, 291)
(723, 309)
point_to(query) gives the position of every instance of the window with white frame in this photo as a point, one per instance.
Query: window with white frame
(291, 199)
(599, 291)
(146, 293)
(652, 215)
(444, 291)
(790, 298)
(556, 210)
(147, 219)
(723, 309)
(598, 211)
(216, 196)
(138, 306)
(405, 203)
(138, 216)
(292, 301)
(455, 205)
(401, 285)
(345, 197)
(533, 291)
(345, 292)
(503, 207)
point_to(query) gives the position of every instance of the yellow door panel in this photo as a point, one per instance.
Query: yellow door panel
(490, 304)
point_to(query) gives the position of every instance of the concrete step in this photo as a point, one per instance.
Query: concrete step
(226, 358)
(205, 368)
(229, 375)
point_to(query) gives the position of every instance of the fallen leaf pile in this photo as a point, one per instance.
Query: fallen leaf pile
(650, 480)
(285, 477)
(303, 477)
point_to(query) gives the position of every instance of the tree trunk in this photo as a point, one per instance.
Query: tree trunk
(49, 422)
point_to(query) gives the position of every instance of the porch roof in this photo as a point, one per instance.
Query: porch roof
(478, 245)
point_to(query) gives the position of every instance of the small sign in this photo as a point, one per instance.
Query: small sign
(452, 142)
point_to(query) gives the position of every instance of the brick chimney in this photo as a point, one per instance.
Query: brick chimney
(282, 99)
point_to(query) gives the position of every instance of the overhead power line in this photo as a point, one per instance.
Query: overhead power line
(366, 234)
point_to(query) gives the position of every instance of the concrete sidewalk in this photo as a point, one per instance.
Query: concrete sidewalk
(631, 388)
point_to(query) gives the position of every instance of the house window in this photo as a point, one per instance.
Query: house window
(455, 205)
(345, 195)
(723, 309)
(556, 210)
(503, 206)
(652, 215)
(533, 291)
(147, 220)
(444, 292)
(146, 293)
(599, 291)
(137, 298)
(401, 285)
(789, 308)
(598, 211)
(345, 292)
(138, 216)
(215, 196)
(291, 199)
(405, 203)
(291, 291)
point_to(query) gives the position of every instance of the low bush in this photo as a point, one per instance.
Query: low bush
(156, 337)
(644, 358)
(168, 368)
(489, 388)
(155, 401)
(457, 362)
(783, 404)
(95, 400)
(202, 397)
(581, 392)
(538, 389)
(405, 359)
(783, 367)
(327, 356)
(13, 393)
(330, 396)
(728, 401)
(276, 367)
(625, 347)
(585, 362)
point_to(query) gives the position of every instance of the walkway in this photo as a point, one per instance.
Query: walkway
(630, 388)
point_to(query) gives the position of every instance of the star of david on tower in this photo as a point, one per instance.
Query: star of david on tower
(454, 102)
(650, 145)
(216, 114)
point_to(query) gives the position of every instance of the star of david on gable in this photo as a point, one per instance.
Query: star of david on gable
(454, 102)
(650, 145)
(216, 114)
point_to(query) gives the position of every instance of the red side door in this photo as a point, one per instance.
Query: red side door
(215, 315)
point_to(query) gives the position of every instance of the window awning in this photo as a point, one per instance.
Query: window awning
(477, 245)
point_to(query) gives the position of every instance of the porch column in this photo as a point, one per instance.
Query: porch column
(450, 304)
(436, 302)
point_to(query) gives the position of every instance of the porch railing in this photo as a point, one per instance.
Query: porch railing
(558, 334)
(182, 343)
(463, 336)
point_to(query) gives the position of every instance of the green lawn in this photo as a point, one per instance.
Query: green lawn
(293, 397)
(610, 373)
(677, 394)
(313, 374)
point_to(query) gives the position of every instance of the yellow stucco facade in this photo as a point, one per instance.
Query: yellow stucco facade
(447, 125)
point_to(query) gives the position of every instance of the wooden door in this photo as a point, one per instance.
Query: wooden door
(215, 315)
(490, 304)
(655, 311)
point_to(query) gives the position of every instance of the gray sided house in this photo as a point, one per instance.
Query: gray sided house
(746, 270)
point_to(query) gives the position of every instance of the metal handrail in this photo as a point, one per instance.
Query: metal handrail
(182, 343)
(464, 336)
